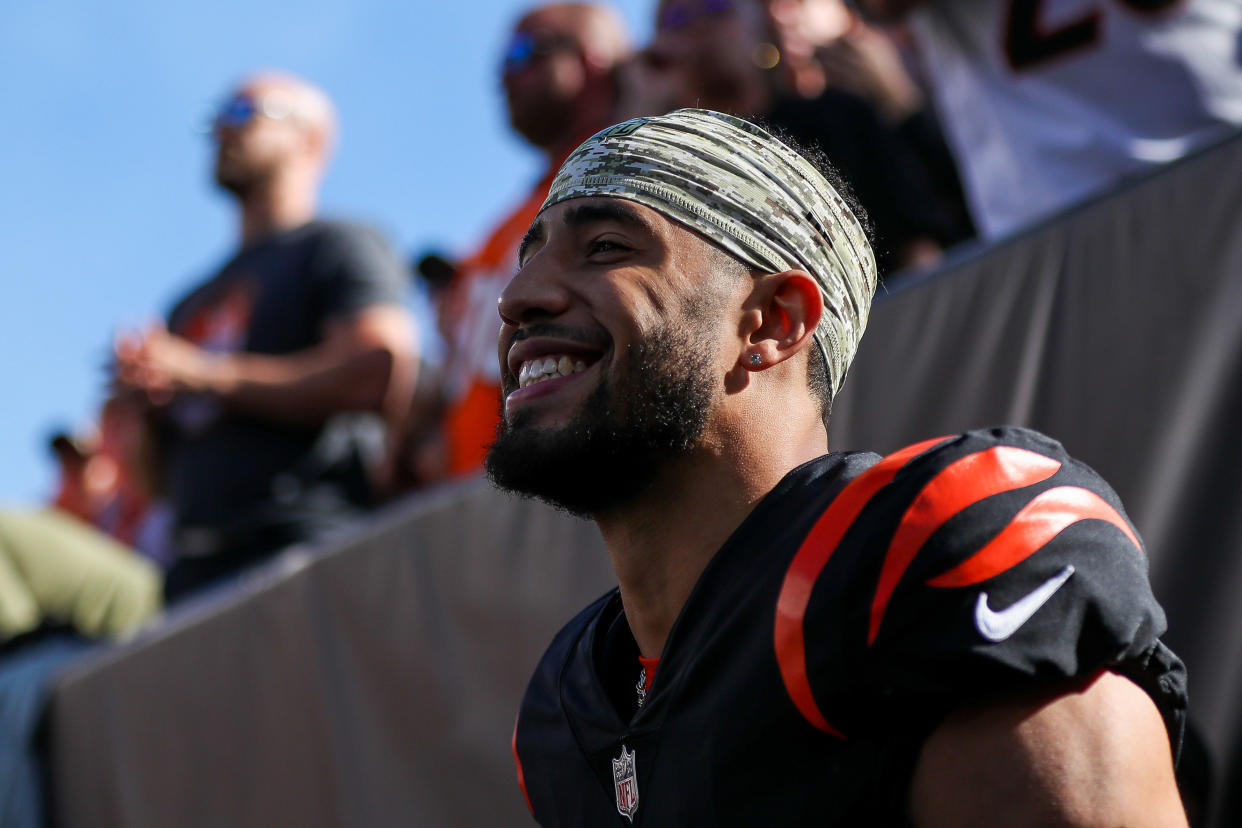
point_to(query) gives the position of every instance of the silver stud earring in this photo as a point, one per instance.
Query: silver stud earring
(756, 359)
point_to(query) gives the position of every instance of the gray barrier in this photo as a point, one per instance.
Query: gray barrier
(372, 685)
(376, 684)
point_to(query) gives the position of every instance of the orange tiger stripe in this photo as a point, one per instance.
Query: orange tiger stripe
(1041, 520)
(959, 485)
(809, 562)
(521, 775)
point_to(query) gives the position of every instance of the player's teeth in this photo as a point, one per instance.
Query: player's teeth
(540, 369)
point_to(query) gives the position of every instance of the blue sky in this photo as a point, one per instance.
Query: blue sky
(107, 211)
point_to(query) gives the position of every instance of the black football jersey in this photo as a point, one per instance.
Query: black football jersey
(861, 601)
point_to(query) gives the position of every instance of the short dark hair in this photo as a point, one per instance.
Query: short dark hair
(817, 381)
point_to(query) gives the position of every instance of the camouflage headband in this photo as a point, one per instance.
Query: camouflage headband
(748, 193)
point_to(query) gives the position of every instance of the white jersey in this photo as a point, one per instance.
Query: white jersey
(1045, 102)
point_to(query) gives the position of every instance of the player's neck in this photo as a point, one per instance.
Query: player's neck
(661, 543)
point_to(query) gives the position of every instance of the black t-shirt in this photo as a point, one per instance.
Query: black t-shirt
(227, 470)
(860, 602)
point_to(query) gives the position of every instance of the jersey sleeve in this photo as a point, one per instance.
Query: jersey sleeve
(973, 567)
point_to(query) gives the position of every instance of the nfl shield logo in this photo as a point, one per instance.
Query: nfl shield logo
(625, 781)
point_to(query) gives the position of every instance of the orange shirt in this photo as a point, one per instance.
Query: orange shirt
(470, 324)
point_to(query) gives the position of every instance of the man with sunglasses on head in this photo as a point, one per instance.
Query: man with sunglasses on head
(273, 377)
(560, 76)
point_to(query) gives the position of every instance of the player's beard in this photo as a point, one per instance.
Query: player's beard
(654, 409)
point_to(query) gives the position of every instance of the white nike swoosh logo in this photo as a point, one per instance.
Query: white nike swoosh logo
(997, 626)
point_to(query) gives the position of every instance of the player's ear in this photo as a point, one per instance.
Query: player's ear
(786, 309)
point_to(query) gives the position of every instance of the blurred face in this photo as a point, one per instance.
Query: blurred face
(713, 43)
(543, 74)
(613, 352)
(256, 131)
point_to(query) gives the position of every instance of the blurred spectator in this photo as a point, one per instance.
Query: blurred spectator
(83, 484)
(62, 584)
(561, 79)
(109, 479)
(135, 513)
(263, 371)
(1047, 103)
(702, 55)
(57, 571)
(818, 44)
(716, 54)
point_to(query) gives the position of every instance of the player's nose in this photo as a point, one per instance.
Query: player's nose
(537, 291)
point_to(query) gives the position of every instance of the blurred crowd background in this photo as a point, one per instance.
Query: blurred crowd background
(172, 466)
(422, 145)
(253, 254)
(117, 216)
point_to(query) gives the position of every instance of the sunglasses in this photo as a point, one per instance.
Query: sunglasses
(525, 48)
(241, 109)
(680, 15)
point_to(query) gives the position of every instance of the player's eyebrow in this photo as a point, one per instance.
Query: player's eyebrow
(581, 215)
(606, 210)
(534, 234)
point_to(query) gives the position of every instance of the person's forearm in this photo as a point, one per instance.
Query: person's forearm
(305, 388)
